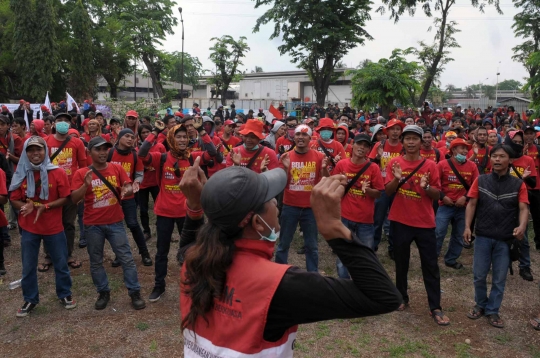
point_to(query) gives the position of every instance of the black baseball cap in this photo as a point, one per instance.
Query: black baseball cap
(233, 193)
(65, 115)
(529, 127)
(98, 142)
(362, 138)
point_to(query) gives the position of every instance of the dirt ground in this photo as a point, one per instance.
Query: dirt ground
(120, 331)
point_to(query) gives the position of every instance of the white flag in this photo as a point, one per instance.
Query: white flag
(71, 103)
(26, 120)
(48, 102)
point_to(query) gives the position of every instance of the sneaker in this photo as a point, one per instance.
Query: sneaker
(68, 302)
(116, 262)
(146, 260)
(11, 227)
(103, 300)
(136, 301)
(525, 272)
(2, 269)
(156, 294)
(25, 309)
(82, 244)
(301, 251)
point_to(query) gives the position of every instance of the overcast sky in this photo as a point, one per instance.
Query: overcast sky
(485, 39)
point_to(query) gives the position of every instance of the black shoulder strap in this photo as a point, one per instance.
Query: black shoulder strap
(403, 181)
(483, 166)
(254, 158)
(107, 183)
(134, 152)
(326, 153)
(62, 146)
(437, 154)
(460, 178)
(516, 171)
(110, 154)
(356, 177)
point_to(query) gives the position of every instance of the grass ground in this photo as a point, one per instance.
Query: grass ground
(119, 331)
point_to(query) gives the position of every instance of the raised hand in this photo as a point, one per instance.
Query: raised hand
(380, 151)
(365, 184)
(396, 170)
(135, 187)
(159, 125)
(475, 148)
(526, 173)
(285, 159)
(27, 208)
(264, 163)
(192, 184)
(326, 204)
(236, 157)
(424, 181)
(88, 178)
(127, 190)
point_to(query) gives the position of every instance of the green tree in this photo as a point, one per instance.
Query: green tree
(389, 81)
(23, 33)
(193, 69)
(257, 70)
(435, 56)
(8, 68)
(526, 26)
(227, 54)
(45, 44)
(317, 34)
(510, 85)
(470, 92)
(533, 83)
(489, 91)
(82, 76)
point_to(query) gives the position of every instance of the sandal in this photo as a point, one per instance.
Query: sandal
(439, 314)
(537, 325)
(403, 306)
(495, 320)
(74, 264)
(476, 312)
(44, 267)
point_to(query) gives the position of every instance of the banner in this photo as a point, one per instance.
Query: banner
(12, 107)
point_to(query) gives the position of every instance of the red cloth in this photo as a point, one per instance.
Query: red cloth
(523, 163)
(217, 166)
(150, 173)
(532, 151)
(72, 157)
(480, 158)
(3, 192)
(18, 144)
(247, 155)
(356, 206)
(285, 142)
(430, 154)
(304, 173)
(100, 204)
(412, 206)
(50, 222)
(87, 137)
(523, 195)
(450, 184)
(389, 152)
(277, 114)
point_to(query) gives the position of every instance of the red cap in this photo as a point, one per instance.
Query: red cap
(253, 126)
(4, 108)
(179, 114)
(73, 131)
(132, 113)
(394, 122)
(22, 101)
(228, 122)
(459, 141)
(85, 101)
(325, 123)
(53, 103)
(44, 108)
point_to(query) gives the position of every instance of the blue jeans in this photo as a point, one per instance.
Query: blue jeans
(57, 248)
(364, 232)
(445, 216)
(494, 254)
(80, 214)
(116, 235)
(129, 207)
(525, 254)
(290, 217)
(379, 217)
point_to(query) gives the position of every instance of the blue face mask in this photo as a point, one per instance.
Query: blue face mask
(252, 149)
(273, 234)
(326, 134)
(62, 127)
(461, 158)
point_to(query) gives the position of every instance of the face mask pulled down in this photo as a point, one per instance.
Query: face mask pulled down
(273, 236)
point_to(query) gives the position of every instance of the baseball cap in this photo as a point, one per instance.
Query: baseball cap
(132, 113)
(231, 195)
(98, 142)
(65, 115)
(529, 127)
(35, 141)
(302, 128)
(228, 122)
(438, 110)
(362, 138)
(115, 119)
(99, 113)
(412, 128)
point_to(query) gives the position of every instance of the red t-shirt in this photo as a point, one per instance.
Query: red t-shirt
(247, 155)
(127, 162)
(87, 137)
(480, 158)
(100, 204)
(18, 144)
(304, 173)
(229, 144)
(285, 142)
(356, 206)
(150, 173)
(72, 157)
(412, 206)
(50, 222)
(523, 195)
(348, 147)
(389, 152)
(430, 154)
(217, 166)
(3, 191)
(450, 184)
(532, 151)
(334, 148)
(521, 164)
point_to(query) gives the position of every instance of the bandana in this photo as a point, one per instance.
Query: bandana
(173, 147)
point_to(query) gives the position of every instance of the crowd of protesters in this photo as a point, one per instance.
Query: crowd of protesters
(472, 169)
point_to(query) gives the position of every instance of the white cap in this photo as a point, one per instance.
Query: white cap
(438, 110)
(302, 128)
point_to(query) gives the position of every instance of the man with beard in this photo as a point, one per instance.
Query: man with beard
(479, 154)
(305, 167)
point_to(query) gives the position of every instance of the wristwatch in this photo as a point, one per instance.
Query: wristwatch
(427, 187)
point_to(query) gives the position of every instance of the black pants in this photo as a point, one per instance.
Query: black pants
(1, 252)
(426, 242)
(165, 228)
(534, 201)
(144, 199)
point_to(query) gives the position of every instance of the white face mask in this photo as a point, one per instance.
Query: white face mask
(273, 234)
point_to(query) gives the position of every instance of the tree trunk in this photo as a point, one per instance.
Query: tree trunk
(113, 86)
(158, 88)
(321, 78)
(224, 93)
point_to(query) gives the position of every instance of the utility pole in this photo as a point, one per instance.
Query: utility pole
(182, 67)
(497, 86)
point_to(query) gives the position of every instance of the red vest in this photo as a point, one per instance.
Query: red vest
(236, 322)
